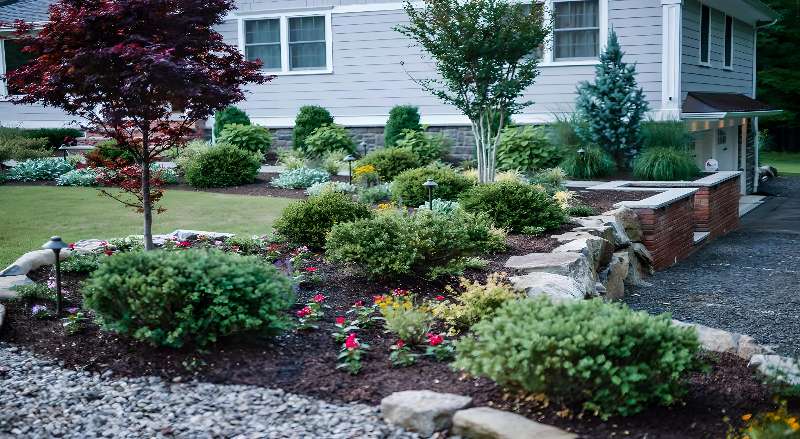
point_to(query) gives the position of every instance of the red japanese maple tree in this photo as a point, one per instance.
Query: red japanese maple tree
(142, 72)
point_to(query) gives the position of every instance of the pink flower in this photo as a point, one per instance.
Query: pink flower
(311, 269)
(400, 343)
(319, 298)
(435, 339)
(340, 320)
(305, 312)
(359, 303)
(108, 252)
(351, 342)
(184, 244)
(399, 292)
(439, 298)
(71, 245)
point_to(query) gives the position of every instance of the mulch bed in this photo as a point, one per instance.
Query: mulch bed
(603, 201)
(260, 187)
(303, 362)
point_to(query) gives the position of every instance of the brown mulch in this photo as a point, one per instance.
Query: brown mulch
(260, 187)
(603, 201)
(304, 362)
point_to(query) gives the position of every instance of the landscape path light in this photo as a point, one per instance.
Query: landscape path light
(430, 185)
(56, 245)
(350, 159)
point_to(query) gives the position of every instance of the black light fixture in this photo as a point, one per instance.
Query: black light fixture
(363, 146)
(56, 244)
(350, 159)
(430, 185)
(581, 152)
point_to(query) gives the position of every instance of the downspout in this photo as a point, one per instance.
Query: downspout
(757, 140)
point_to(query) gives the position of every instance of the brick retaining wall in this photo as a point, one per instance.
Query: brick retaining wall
(668, 232)
(716, 208)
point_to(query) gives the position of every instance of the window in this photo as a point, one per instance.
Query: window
(11, 58)
(288, 44)
(576, 31)
(705, 35)
(728, 41)
(722, 137)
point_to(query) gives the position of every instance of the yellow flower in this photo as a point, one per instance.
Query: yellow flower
(365, 169)
(563, 198)
(793, 424)
(385, 206)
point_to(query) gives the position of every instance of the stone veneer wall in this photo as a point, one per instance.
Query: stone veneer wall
(716, 208)
(463, 147)
(668, 232)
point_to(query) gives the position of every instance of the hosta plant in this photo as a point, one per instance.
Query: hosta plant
(40, 169)
(300, 178)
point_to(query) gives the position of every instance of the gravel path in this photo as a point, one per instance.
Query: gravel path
(746, 282)
(39, 399)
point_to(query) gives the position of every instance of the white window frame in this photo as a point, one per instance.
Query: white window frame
(725, 64)
(3, 88)
(284, 22)
(700, 36)
(549, 60)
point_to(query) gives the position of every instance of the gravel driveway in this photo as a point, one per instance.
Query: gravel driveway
(747, 281)
(39, 399)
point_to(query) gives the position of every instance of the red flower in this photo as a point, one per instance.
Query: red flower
(319, 298)
(71, 245)
(377, 299)
(108, 252)
(435, 339)
(305, 312)
(184, 244)
(311, 269)
(359, 303)
(351, 342)
(439, 298)
(399, 292)
(400, 343)
(340, 320)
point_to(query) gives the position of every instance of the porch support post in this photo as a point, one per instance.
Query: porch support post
(671, 41)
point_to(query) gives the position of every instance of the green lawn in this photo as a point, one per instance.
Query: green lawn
(787, 163)
(31, 214)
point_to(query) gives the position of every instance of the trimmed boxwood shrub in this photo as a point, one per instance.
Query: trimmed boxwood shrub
(665, 164)
(429, 147)
(610, 359)
(309, 118)
(329, 138)
(390, 162)
(594, 163)
(307, 222)
(396, 243)
(190, 297)
(514, 205)
(251, 138)
(222, 165)
(526, 149)
(407, 187)
(229, 115)
(401, 118)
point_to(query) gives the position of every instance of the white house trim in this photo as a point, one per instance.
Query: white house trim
(671, 53)
(3, 88)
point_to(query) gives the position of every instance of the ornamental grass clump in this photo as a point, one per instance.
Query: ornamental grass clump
(190, 298)
(514, 205)
(606, 357)
(307, 222)
(593, 162)
(665, 164)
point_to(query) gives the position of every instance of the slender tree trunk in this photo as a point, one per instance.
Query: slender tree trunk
(147, 204)
(486, 142)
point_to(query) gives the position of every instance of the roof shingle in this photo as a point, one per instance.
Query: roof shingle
(27, 10)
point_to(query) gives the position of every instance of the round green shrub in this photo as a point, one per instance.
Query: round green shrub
(390, 162)
(23, 148)
(222, 165)
(665, 164)
(407, 187)
(329, 138)
(514, 205)
(429, 147)
(526, 149)
(612, 360)
(308, 119)
(593, 163)
(251, 138)
(188, 297)
(188, 153)
(307, 222)
(401, 118)
(227, 116)
(396, 243)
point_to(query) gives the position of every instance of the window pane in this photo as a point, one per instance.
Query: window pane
(728, 41)
(263, 31)
(269, 54)
(15, 59)
(576, 44)
(577, 14)
(307, 55)
(302, 29)
(705, 23)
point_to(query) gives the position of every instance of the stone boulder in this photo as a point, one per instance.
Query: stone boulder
(640, 267)
(555, 286)
(33, 260)
(597, 250)
(718, 340)
(422, 411)
(489, 423)
(573, 265)
(2, 315)
(606, 227)
(190, 235)
(613, 277)
(777, 367)
(629, 221)
(7, 284)
(88, 245)
(572, 236)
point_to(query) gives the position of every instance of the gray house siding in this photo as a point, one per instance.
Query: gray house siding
(715, 78)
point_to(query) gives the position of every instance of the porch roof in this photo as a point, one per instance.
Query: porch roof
(703, 105)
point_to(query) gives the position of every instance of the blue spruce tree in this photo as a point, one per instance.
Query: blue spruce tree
(613, 106)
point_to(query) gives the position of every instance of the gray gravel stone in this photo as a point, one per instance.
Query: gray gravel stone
(41, 400)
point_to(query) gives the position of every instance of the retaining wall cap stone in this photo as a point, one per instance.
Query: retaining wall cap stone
(719, 340)
(489, 423)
